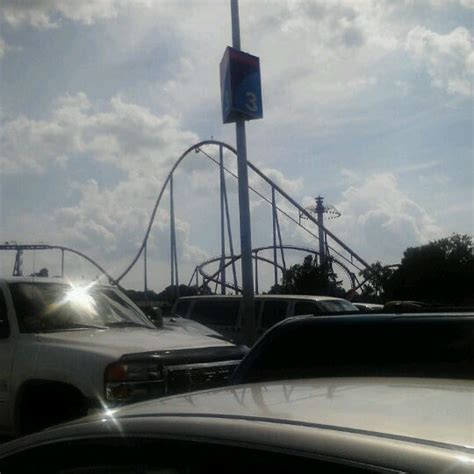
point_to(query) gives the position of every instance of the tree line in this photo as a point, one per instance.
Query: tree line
(440, 272)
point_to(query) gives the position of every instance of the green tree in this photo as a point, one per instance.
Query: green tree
(170, 293)
(308, 278)
(441, 272)
(378, 277)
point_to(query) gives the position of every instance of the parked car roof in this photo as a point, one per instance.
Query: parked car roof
(272, 296)
(398, 423)
(437, 408)
(373, 344)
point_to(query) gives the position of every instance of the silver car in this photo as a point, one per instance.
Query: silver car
(336, 425)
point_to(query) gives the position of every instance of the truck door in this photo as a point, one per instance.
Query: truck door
(6, 360)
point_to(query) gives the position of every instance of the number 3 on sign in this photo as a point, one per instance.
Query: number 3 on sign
(251, 103)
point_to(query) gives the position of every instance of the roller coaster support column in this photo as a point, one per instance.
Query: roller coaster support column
(274, 221)
(248, 303)
(62, 263)
(256, 271)
(322, 238)
(173, 252)
(18, 267)
(222, 203)
(145, 271)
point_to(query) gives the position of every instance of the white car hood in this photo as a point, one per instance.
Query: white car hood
(119, 341)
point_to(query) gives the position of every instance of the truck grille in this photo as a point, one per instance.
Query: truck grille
(189, 377)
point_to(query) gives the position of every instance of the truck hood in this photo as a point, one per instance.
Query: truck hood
(189, 326)
(119, 341)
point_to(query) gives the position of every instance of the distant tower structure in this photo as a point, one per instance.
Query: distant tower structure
(18, 267)
(319, 209)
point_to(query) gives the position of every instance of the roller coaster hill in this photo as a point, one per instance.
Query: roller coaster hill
(220, 274)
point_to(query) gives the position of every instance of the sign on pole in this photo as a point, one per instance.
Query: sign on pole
(241, 90)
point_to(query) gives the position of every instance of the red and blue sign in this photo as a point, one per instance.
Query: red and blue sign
(241, 89)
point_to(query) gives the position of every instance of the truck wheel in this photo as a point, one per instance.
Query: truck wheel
(47, 404)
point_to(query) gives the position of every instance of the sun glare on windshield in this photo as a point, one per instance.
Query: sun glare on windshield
(79, 297)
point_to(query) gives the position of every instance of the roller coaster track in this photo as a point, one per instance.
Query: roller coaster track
(304, 212)
(335, 256)
(214, 277)
(21, 247)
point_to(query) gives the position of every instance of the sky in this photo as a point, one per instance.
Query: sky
(366, 102)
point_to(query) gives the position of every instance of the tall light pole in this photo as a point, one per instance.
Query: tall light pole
(248, 303)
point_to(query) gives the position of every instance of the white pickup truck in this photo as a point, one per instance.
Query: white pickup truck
(66, 350)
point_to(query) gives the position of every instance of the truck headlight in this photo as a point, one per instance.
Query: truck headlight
(131, 381)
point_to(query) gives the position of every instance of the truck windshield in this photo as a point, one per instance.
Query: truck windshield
(43, 307)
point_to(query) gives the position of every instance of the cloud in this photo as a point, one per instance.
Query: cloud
(44, 13)
(336, 24)
(127, 136)
(331, 73)
(106, 220)
(410, 168)
(33, 13)
(6, 48)
(322, 56)
(112, 223)
(322, 59)
(313, 54)
(3, 48)
(108, 225)
(380, 220)
(289, 185)
(445, 3)
(449, 58)
(347, 25)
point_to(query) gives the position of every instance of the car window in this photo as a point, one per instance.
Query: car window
(306, 307)
(216, 312)
(273, 312)
(135, 456)
(182, 308)
(337, 306)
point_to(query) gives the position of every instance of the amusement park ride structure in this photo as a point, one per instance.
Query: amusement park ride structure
(330, 249)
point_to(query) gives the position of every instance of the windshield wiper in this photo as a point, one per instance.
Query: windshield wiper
(124, 324)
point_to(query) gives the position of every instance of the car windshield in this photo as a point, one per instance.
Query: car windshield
(47, 307)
